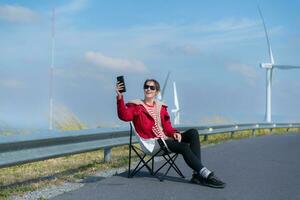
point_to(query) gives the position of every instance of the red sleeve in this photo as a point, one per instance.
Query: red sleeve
(125, 112)
(167, 126)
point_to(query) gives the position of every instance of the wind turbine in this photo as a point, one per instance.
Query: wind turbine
(177, 109)
(160, 96)
(269, 67)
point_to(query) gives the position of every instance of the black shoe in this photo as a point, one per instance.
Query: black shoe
(211, 181)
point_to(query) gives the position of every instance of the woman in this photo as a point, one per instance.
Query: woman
(151, 120)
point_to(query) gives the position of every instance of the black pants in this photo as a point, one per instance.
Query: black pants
(189, 148)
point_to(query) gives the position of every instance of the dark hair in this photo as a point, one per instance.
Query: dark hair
(155, 82)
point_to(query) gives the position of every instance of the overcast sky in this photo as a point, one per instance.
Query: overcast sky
(212, 48)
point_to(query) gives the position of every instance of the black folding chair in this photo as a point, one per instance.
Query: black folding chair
(151, 148)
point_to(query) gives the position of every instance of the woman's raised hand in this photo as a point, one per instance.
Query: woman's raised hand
(119, 86)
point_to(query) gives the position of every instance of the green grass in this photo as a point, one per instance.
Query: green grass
(18, 180)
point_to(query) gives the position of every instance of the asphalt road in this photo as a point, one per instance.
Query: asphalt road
(266, 167)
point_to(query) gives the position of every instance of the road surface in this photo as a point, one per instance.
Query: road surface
(265, 167)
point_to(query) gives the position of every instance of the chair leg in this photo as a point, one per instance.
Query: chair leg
(152, 169)
(171, 161)
(130, 173)
(165, 174)
(174, 166)
(145, 163)
(137, 169)
(130, 146)
(129, 162)
(167, 162)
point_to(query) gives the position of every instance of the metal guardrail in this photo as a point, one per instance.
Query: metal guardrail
(22, 149)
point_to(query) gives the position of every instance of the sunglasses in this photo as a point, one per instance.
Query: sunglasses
(152, 87)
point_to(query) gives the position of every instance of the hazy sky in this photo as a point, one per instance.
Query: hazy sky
(212, 48)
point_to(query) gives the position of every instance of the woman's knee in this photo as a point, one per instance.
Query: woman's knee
(184, 148)
(193, 132)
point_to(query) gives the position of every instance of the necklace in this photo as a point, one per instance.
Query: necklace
(149, 105)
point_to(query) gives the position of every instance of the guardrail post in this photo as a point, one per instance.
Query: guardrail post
(231, 134)
(107, 154)
(274, 127)
(253, 133)
(290, 126)
(205, 138)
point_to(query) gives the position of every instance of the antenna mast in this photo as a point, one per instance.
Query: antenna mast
(51, 73)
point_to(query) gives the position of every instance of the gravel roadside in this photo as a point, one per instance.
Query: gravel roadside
(55, 190)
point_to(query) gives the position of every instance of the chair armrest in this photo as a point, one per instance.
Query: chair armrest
(163, 145)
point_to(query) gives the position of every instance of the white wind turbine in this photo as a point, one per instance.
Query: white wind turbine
(176, 103)
(160, 96)
(269, 67)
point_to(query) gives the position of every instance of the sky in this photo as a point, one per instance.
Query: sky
(212, 49)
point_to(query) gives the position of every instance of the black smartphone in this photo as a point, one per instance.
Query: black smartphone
(120, 79)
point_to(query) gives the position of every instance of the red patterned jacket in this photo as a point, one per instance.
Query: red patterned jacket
(143, 122)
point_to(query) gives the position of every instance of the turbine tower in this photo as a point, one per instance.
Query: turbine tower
(51, 73)
(160, 96)
(269, 70)
(177, 109)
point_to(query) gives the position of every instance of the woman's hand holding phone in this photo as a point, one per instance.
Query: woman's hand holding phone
(120, 86)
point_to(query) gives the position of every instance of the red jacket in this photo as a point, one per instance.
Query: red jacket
(142, 120)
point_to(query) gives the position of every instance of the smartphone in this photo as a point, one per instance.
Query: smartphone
(120, 79)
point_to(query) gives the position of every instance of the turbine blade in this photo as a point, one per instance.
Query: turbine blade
(175, 96)
(286, 66)
(159, 96)
(174, 110)
(164, 86)
(267, 37)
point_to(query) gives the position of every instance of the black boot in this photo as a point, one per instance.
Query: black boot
(210, 181)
